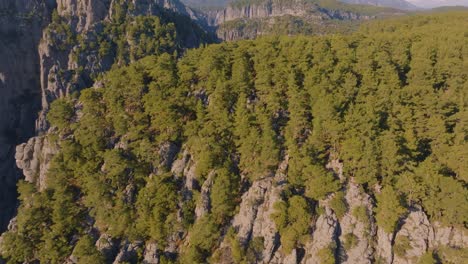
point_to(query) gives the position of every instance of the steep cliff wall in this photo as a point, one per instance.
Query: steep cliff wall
(21, 24)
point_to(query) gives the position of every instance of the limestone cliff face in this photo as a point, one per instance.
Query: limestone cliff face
(21, 24)
(249, 20)
(264, 9)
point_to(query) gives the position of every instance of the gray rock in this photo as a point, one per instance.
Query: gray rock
(383, 248)
(324, 234)
(151, 255)
(179, 165)
(34, 159)
(13, 225)
(168, 152)
(245, 220)
(254, 217)
(448, 236)
(278, 258)
(108, 246)
(363, 229)
(418, 231)
(190, 176)
(264, 226)
(337, 167)
(83, 14)
(204, 205)
(128, 253)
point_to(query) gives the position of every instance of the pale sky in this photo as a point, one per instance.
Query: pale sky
(436, 3)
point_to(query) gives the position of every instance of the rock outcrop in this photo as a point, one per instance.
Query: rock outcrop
(323, 237)
(204, 205)
(108, 246)
(448, 236)
(358, 225)
(34, 158)
(151, 255)
(383, 250)
(412, 240)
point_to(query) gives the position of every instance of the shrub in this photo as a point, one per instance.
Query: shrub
(350, 241)
(327, 254)
(338, 204)
(402, 244)
(86, 252)
(61, 113)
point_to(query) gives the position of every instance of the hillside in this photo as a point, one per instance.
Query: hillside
(326, 149)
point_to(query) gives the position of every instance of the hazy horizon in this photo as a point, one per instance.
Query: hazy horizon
(438, 3)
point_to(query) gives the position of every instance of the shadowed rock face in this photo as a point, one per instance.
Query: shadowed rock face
(21, 23)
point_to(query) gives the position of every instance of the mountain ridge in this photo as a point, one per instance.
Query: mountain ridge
(249, 19)
(398, 4)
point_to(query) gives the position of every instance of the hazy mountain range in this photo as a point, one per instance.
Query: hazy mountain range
(437, 3)
(401, 4)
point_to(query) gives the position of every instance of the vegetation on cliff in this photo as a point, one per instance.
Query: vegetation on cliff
(389, 102)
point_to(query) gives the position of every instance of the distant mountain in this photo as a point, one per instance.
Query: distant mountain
(449, 8)
(399, 4)
(438, 3)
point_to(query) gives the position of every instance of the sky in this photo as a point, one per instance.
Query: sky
(436, 3)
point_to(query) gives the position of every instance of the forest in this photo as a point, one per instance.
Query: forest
(388, 102)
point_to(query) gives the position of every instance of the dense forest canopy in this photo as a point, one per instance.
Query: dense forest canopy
(388, 102)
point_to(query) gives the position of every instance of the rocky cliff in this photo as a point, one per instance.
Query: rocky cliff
(352, 237)
(21, 24)
(45, 53)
